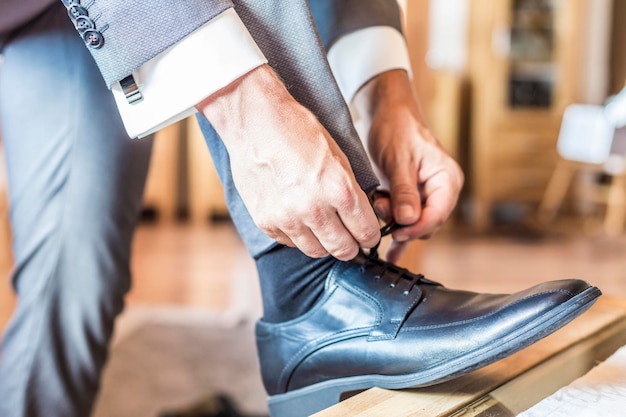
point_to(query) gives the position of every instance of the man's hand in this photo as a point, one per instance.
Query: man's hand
(295, 181)
(423, 180)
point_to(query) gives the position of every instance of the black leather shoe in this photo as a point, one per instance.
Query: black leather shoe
(379, 325)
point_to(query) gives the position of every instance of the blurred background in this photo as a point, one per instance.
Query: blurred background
(545, 192)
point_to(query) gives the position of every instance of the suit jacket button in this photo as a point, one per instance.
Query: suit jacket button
(83, 23)
(75, 11)
(93, 38)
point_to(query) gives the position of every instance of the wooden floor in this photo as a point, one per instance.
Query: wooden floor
(200, 265)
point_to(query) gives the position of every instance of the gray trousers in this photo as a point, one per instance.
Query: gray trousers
(75, 190)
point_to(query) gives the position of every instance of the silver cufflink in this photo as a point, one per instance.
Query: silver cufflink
(131, 90)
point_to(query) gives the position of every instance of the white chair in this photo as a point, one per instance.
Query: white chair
(587, 142)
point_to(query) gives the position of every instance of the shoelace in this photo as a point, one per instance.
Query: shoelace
(387, 229)
(371, 259)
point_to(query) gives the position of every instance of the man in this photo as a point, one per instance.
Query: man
(336, 318)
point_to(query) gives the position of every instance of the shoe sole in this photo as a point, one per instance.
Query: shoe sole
(308, 400)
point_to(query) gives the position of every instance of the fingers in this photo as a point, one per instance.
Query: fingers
(337, 240)
(347, 224)
(382, 207)
(439, 202)
(326, 230)
(318, 242)
(405, 197)
(358, 217)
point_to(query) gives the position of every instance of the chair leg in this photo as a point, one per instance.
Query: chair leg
(556, 190)
(616, 206)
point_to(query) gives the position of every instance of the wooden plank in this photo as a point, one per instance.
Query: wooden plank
(449, 397)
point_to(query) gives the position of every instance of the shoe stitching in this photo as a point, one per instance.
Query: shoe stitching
(456, 323)
(325, 340)
(334, 337)
(339, 332)
(513, 303)
(358, 291)
(380, 315)
(298, 358)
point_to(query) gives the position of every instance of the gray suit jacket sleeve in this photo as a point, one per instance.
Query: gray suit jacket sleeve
(124, 34)
(335, 18)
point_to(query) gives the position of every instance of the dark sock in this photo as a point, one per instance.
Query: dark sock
(291, 282)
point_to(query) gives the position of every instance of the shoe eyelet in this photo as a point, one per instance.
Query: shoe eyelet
(376, 277)
(405, 292)
(392, 285)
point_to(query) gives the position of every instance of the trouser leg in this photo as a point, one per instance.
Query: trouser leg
(75, 188)
(290, 281)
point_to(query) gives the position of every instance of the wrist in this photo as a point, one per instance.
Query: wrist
(388, 91)
(244, 101)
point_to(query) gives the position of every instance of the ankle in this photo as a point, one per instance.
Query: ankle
(291, 282)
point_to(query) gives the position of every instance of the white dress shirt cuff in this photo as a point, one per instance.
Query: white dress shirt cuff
(173, 82)
(361, 55)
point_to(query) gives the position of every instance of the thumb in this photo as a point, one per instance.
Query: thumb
(405, 198)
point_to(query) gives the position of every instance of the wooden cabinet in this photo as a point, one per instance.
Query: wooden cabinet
(524, 66)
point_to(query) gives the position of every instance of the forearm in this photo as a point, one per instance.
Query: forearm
(389, 88)
(292, 176)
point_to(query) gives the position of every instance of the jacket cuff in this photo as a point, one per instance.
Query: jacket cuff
(174, 81)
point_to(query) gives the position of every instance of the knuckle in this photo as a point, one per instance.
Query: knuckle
(288, 224)
(436, 221)
(455, 171)
(345, 252)
(268, 228)
(344, 195)
(403, 190)
(370, 235)
(310, 247)
(457, 175)
(281, 239)
(461, 178)
(316, 216)
(315, 252)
